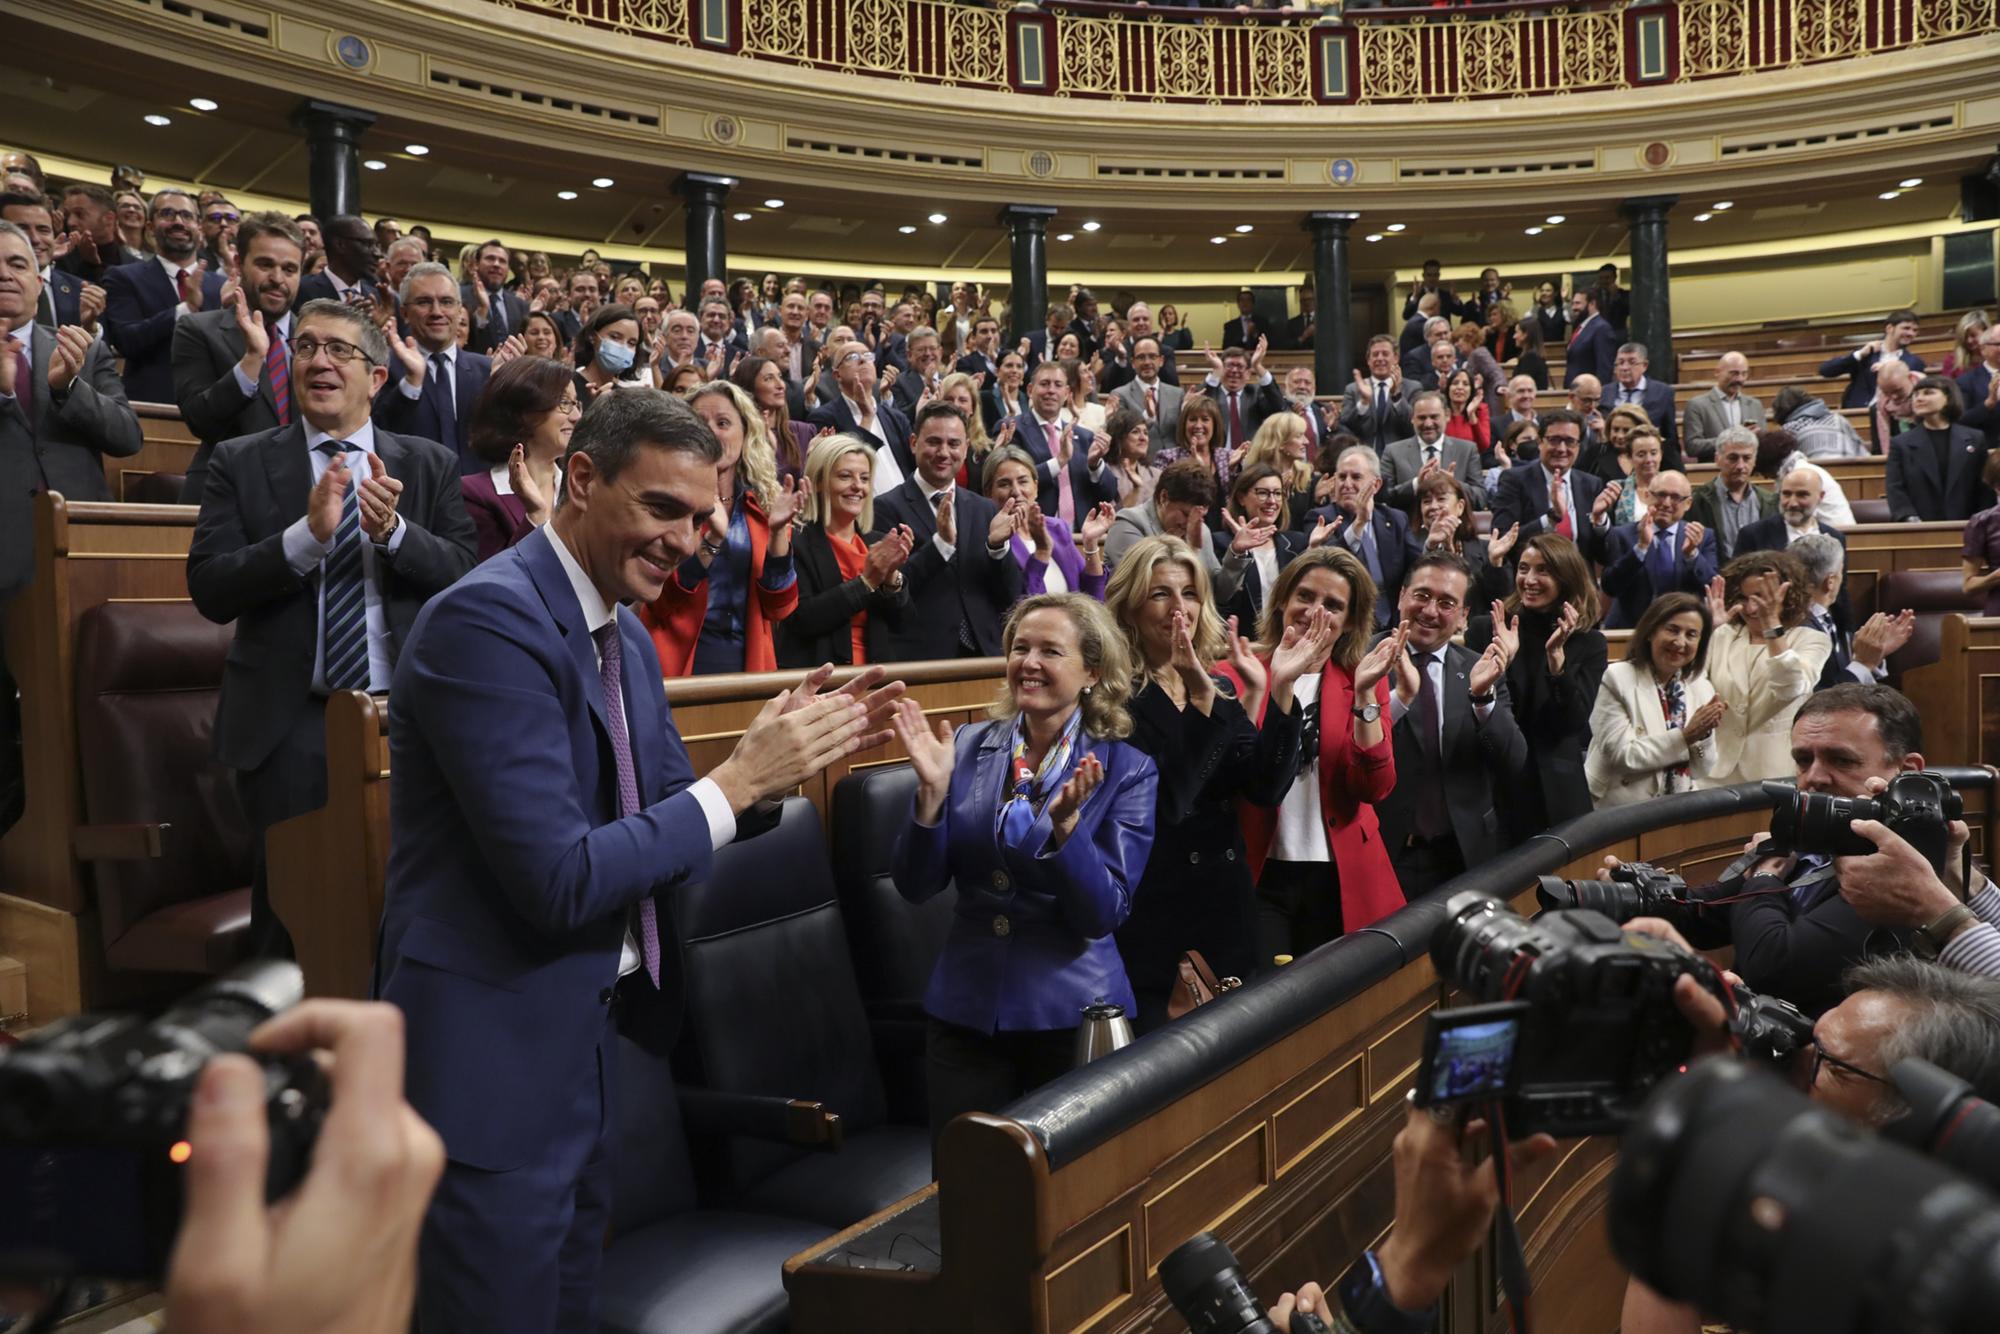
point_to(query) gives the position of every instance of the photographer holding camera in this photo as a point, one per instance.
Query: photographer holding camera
(1895, 887)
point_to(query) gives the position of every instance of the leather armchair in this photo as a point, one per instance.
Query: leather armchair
(1932, 595)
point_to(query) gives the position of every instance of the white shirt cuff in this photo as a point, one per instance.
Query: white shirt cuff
(1396, 708)
(944, 548)
(721, 820)
(303, 551)
(408, 390)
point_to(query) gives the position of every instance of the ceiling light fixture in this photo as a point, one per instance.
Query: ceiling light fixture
(157, 119)
(1910, 183)
(1372, 236)
(1395, 227)
(907, 230)
(376, 164)
(937, 217)
(1890, 194)
(1217, 240)
(604, 182)
(1244, 229)
(1556, 219)
(1723, 205)
(1065, 236)
(740, 217)
(1092, 226)
(1703, 217)
(565, 194)
(774, 203)
(415, 150)
(1532, 231)
(203, 103)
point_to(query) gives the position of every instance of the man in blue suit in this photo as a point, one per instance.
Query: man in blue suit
(62, 299)
(1593, 348)
(1072, 478)
(142, 300)
(441, 382)
(1378, 535)
(1655, 398)
(1662, 552)
(1550, 496)
(542, 800)
(1898, 332)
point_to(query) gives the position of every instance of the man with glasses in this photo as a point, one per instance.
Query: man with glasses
(219, 220)
(1548, 495)
(142, 300)
(1652, 397)
(1662, 551)
(856, 410)
(352, 257)
(439, 382)
(1150, 392)
(321, 540)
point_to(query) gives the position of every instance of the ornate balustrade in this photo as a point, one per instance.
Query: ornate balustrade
(1375, 56)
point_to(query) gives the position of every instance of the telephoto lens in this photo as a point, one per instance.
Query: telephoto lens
(1744, 1198)
(1203, 1281)
(1946, 1120)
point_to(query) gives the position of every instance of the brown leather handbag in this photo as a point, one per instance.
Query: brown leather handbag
(1196, 985)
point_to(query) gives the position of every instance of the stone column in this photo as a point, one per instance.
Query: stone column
(707, 244)
(1333, 335)
(1652, 315)
(1028, 300)
(333, 156)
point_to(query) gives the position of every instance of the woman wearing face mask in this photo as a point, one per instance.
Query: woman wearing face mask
(1197, 892)
(1556, 664)
(1051, 561)
(1257, 500)
(716, 613)
(1043, 818)
(605, 350)
(845, 585)
(1652, 730)
(520, 428)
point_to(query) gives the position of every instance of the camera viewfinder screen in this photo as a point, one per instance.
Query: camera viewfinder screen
(1472, 1061)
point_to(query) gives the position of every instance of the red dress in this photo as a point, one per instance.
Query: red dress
(850, 553)
(1478, 429)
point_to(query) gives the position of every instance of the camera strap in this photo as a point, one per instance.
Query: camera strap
(1510, 1254)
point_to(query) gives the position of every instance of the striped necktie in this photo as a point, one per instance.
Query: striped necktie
(278, 366)
(343, 600)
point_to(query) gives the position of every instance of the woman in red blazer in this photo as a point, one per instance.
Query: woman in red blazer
(1319, 860)
(716, 613)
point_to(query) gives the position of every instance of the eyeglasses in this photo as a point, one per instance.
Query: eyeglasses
(174, 215)
(1821, 1056)
(1570, 440)
(569, 405)
(1669, 498)
(224, 217)
(1267, 493)
(305, 349)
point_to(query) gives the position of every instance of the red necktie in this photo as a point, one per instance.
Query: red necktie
(1566, 528)
(278, 366)
(24, 380)
(185, 286)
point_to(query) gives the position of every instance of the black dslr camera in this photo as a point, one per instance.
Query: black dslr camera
(1917, 807)
(1574, 1020)
(93, 1119)
(1635, 889)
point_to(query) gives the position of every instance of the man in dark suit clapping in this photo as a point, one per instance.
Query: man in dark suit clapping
(142, 300)
(321, 541)
(439, 382)
(1663, 551)
(1549, 496)
(496, 313)
(1378, 535)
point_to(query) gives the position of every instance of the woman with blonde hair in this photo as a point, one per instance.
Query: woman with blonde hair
(962, 392)
(1043, 818)
(1198, 892)
(1610, 458)
(845, 585)
(1283, 444)
(1645, 453)
(717, 611)
(1318, 859)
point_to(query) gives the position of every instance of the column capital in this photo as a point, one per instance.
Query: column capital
(1035, 216)
(314, 113)
(700, 184)
(1337, 223)
(1648, 208)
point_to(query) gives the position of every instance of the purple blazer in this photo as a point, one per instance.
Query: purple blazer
(1062, 549)
(498, 521)
(1055, 953)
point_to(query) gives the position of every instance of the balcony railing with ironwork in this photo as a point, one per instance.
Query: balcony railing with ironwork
(1329, 58)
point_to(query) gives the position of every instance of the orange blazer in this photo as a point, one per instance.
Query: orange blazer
(675, 619)
(1351, 780)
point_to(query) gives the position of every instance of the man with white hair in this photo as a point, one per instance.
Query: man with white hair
(435, 383)
(1379, 535)
(1707, 416)
(1858, 655)
(1417, 361)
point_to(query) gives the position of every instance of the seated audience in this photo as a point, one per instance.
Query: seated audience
(1319, 861)
(520, 431)
(1052, 561)
(1549, 496)
(1717, 410)
(1660, 552)
(1652, 727)
(1256, 526)
(1378, 535)
(1444, 523)
(716, 613)
(1044, 880)
(1898, 332)
(1934, 469)
(1763, 660)
(845, 585)
(1198, 892)
(1732, 503)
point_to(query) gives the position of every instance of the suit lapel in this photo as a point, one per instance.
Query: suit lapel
(1457, 700)
(923, 521)
(1650, 713)
(545, 568)
(289, 470)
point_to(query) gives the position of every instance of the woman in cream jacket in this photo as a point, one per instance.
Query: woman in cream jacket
(1763, 662)
(1653, 728)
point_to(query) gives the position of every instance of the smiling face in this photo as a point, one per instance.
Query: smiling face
(432, 310)
(1200, 429)
(1381, 360)
(1674, 644)
(1646, 456)
(1428, 418)
(1354, 481)
(940, 449)
(1668, 496)
(1521, 396)
(630, 533)
(549, 437)
(20, 282)
(1319, 588)
(1535, 580)
(770, 386)
(541, 337)
(1045, 667)
(1731, 370)
(1171, 589)
(1559, 445)
(1235, 371)
(1440, 502)
(270, 274)
(1433, 603)
(176, 227)
(1049, 390)
(1263, 501)
(849, 484)
(1799, 496)
(1011, 481)
(332, 395)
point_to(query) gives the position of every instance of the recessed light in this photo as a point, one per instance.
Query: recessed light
(565, 194)
(603, 182)
(1703, 217)
(1532, 231)
(415, 150)
(1394, 227)
(1372, 236)
(203, 103)
(1723, 205)
(157, 119)
(774, 203)
(1890, 194)
(1910, 183)
(1092, 226)
(1243, 228)
(907, 229)
(1217, 240)
(376, 164)
(740, 217)
(937, 217)
(1556, 219)
(1065, 236)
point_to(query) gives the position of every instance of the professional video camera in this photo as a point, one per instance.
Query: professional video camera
(93, 1119)
(1917, 807)
(1574, 1020)
(1636, 889)
(1741, 1196)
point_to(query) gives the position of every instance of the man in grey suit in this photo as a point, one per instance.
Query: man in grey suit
(232, 366)
(321, 540)
(1704, 419)
(1403, 461)
(1150, 395)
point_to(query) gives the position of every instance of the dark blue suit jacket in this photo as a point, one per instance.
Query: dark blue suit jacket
(1088, 492)
(973, 588)
(1658, 402)
(511, 877)
(1594, 351)
(895, 429)
(139, 302)
(1916, 490)
(1522, 497)
(424, 415)
(1395, 548)
(1973, 385)
(1631, 582)
(66, 291)
(1860, 373)
(319, 287)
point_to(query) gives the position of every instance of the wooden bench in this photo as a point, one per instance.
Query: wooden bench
(1861, 478)
(86, 554)
(169, 447)
(1958, 696)
(1874, 549)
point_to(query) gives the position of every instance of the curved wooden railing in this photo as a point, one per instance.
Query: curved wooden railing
(1312, 56)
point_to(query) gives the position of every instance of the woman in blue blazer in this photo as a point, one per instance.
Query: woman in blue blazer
(1044, 819)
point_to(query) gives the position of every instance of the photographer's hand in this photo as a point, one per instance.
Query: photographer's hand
(339, 1255)
(1893, 885)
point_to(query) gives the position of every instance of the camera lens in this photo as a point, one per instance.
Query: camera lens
(1203, 1281)
(1479, 936)
(1817, 822)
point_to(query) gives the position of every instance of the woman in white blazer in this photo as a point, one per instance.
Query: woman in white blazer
(1652, 730)
(1763, 662)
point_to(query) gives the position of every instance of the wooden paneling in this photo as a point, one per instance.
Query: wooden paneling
(1875, 549)
(169, 447)
(1958, 696)
(1089, 1288)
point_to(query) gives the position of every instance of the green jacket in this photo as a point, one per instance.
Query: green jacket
(1706, 510)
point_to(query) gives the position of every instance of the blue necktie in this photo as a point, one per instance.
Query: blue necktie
(343, 603)
(1663, 560)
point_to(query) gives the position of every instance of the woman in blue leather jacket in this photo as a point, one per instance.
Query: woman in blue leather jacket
(1044, 819)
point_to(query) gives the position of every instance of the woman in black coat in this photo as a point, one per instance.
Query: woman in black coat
(1197, 892)
(1444, 523)
(1553, 678)
(843, 582)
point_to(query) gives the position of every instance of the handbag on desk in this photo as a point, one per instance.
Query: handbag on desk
(1196, 985)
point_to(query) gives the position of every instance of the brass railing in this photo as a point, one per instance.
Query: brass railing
(1382, 55)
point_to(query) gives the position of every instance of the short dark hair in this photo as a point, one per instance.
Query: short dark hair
(254, 225)
(1229, 352)
(1561, 417)
(933, 410)
(1380, 338)
(1897, 721)
(615, 426)
(517, 395)
(96, 194)
(15, 199)
(1773, 448)
(153, 204)
(1663, 609)
(1954, 398)
(1243, 481)
(1902, 317)
(1788, 400)
(1449, 561)
(487, 245)
(1187, 482)
(606, 316)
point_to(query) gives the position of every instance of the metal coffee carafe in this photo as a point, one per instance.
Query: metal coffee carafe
(1104, 1030)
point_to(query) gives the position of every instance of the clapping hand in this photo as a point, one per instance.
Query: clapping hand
(329, 495)
(1498, 547)
(1380, 660)
(1037, 525)
(90, 305)
(1068, 803)
(1443, 533)
(526, 487)
(888, 556)
(409, 354)
(1247, 535)
(1243, 660)
(931, 754)
(1492, 665)
(1303, 650)
(790, 501)
(1065, 444)
(1257, 353)
(1196, 533)
(1100, 442)
(1716, 594)
(515, 346)
(66, 357)
(1005, 524)
(1364, 389)
(250, 324)
(1187, 664)
(1506, 631)
(1605, 500)
(1704, 719)
(1884, 633)
(1642, 531)
(1691, 535)
(1096, 525)
(1565, 626)
(377, 502)
(869, 688)
(1323, 529)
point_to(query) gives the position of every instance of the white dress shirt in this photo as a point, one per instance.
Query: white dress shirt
(305, 553)
(1300, 834)
(1435, 670)
(173, 272)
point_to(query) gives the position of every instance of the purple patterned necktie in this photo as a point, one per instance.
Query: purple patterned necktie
(611, 668)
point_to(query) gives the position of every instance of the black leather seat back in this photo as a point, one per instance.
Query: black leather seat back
(772, 1006)
(651, 1175)
(1932, 595)
(896, 942)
